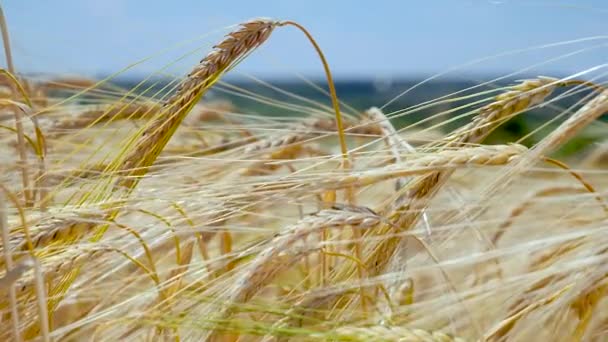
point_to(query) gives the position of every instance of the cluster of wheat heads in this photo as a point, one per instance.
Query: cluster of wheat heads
(131, 219)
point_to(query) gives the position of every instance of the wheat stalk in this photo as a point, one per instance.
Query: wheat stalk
(14, 85)
(8, 261)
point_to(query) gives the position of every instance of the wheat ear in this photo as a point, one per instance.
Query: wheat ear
(569, 128)
(8, 260)
(428, 163)
(517, 99)
(154, 138)
(407, 209)
(232, 49)
(256, 274)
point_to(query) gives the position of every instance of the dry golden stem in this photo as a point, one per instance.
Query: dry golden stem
(8, 261)
(18, 117)
(332, 90)
(329, 199)
(41, 301)
(341, 135)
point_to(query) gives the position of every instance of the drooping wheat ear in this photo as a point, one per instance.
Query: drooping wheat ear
(568, 129)
(257, 274)
(248, 283)
(583, 117)
(501, 330)
(58, 265)
(407, 209)
(586, 303)
(516, 100)
(230, 51)
(384, 333)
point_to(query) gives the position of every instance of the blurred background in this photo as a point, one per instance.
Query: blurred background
(377, 50)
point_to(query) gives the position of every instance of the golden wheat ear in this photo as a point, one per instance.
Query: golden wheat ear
(228, 52)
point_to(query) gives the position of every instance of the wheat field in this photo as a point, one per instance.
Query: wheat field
(136, 214)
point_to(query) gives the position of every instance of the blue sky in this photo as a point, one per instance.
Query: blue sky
(360, 38)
